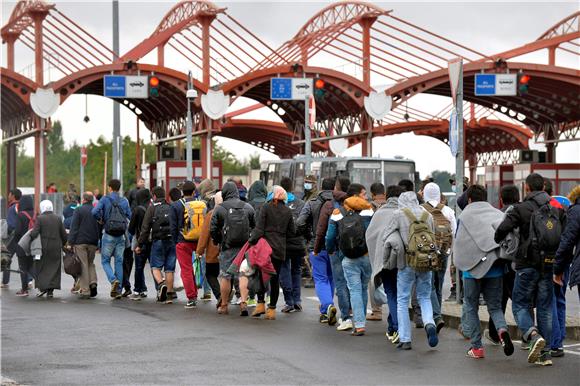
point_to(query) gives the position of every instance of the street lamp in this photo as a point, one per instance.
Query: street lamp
(190, 95)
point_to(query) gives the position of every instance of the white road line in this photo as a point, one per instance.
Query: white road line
(572, 345)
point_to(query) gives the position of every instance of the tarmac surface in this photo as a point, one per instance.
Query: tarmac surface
(102, 341)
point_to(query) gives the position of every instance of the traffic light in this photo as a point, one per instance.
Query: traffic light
(153, 86)
(319, 88)
(523, 83)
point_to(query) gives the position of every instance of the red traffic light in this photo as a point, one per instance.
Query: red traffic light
(153, 81)
(524, 79)
(319, 83)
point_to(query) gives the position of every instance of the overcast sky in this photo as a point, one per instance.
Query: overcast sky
(489, 27)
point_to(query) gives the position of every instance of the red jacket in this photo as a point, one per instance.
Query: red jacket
(258, 257)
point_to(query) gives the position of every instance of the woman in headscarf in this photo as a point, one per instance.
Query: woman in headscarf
(52, 236)
(275, 224)
(257, 196)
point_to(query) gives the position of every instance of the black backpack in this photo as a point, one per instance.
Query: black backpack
(545, 231)
(161, 225)
(116, 224)
(237, 226)
(351, 234)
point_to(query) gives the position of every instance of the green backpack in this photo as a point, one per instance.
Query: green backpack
(422, 254)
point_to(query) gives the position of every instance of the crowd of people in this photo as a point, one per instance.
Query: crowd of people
(390, 246)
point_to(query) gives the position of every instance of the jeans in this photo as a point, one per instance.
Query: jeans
(405, 279)
(340, 284)
(508, 287)
(323, 280)
(389, 278)
(559, 313)
(291, 279)
(128, 261)
(357, 273)
(492, 290)
(112, 247)
(437, 290)
(532, 284)
(163, 255)
(140, 261)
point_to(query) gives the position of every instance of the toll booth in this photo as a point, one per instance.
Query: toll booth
(497, 176)
(564, 177)
(169, 174)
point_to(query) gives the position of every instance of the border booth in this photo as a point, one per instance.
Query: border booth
(497, 176)
(169, 174)
(564, 177)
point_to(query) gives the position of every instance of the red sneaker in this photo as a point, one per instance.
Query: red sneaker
(476, 353)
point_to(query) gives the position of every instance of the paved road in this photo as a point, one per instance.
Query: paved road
(102, 341)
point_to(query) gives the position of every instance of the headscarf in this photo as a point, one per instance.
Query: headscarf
(279, 194)
(217, 198)
(46, 206)
(431, 192)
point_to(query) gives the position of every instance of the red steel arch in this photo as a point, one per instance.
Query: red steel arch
(563, 27)
(20, 18)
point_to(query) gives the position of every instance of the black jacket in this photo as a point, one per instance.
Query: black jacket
(148, 219)
(520, 218)
(295, 243)
(84, 228)
(143, 200)
(308, 219)
(26, 205)
(570, 240)
(231, 199)
(275, 224)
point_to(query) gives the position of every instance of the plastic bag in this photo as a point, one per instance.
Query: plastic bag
(198, 271)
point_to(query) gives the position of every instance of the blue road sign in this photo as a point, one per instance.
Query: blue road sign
(114, 86)
(281, 88)
(484, 84)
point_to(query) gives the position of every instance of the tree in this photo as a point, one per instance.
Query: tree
(54, 139)
(254, 161)
(441, 178)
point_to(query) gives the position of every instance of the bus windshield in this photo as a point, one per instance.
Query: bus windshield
(397, 171)
(364, 172)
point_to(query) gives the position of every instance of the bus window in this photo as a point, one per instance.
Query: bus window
(285, 171)
(273, 175)
(364, 172)
(397, 171)
(298, 178)
(328, 170)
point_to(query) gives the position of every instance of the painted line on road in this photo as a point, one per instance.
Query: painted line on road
(572, 345)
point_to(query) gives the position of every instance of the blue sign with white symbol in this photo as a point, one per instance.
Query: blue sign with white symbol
(281, 88)
(484, 84)
(114, 86)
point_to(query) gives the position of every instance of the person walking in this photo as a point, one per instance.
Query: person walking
(414, 225)
(158, 223)
(275, 224)
(114, 213)
(11, 222)
(310, 188)
(84, 239)
(257, 196)
(477, 256)
(378, 199)
(230, 228)
(534, 265)
(25, 220)
(53, 236)
(210, 250)
(346, 232)
(143, 201)
(132, 195)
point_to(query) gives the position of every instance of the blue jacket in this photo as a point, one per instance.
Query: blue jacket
(355, 203)
(12, 217)
(103, 208)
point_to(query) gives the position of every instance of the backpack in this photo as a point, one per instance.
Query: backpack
(443, 231)
(421, 253)
(116, 224)
(31, 220)
(161, 225)
(351, 234)
(193, 215)
(509, 246)
(545, 232)
(237, 226)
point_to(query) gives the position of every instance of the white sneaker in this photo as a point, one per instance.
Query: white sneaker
(236, 301)
(344, 325)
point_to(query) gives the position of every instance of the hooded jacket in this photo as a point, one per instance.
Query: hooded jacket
(400, 223)
(275, 224)
(257, 196)
(570, 239)
(206, 189)
(520, 218)
(326, 210)
(231, 199)
(355, 203)
(308, 219)
(295, 243)
(374, 235)
(142, 202)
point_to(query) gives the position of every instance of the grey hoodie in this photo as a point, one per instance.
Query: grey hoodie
(400, 223)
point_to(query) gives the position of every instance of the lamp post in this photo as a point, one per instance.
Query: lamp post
(190, 95)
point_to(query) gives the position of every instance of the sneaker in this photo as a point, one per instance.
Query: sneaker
(389, 335)
(375, 316)
(206, 297)
(162, 293)
(544, 360)
(298, 307)
(404, 346)
(557, 352)
(251, 302)
(135, 296)
(4, 286)
(323, 318)
(506, 342)
(171, 295)
(126, 292)
(93, 289)
(395, 337)
(114, 288)
(168, 301)
(287, 309)
(491, 340)
(358, 331)
(440, 324)
(537, 344)
(50, 293)
(432, 337)
(452, 296)
(345, 325)
(476, 353)
(191, 303)
(236, 301)
(143, 295)
(22, 293)
(331, 315)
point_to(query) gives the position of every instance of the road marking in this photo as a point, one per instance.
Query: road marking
(572, 345)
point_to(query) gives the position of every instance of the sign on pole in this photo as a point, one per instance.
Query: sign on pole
(83, 164)
(454, 68)
(84, 156)
(290, 88)
(453, 133)
(130, 86)
(496, 84)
